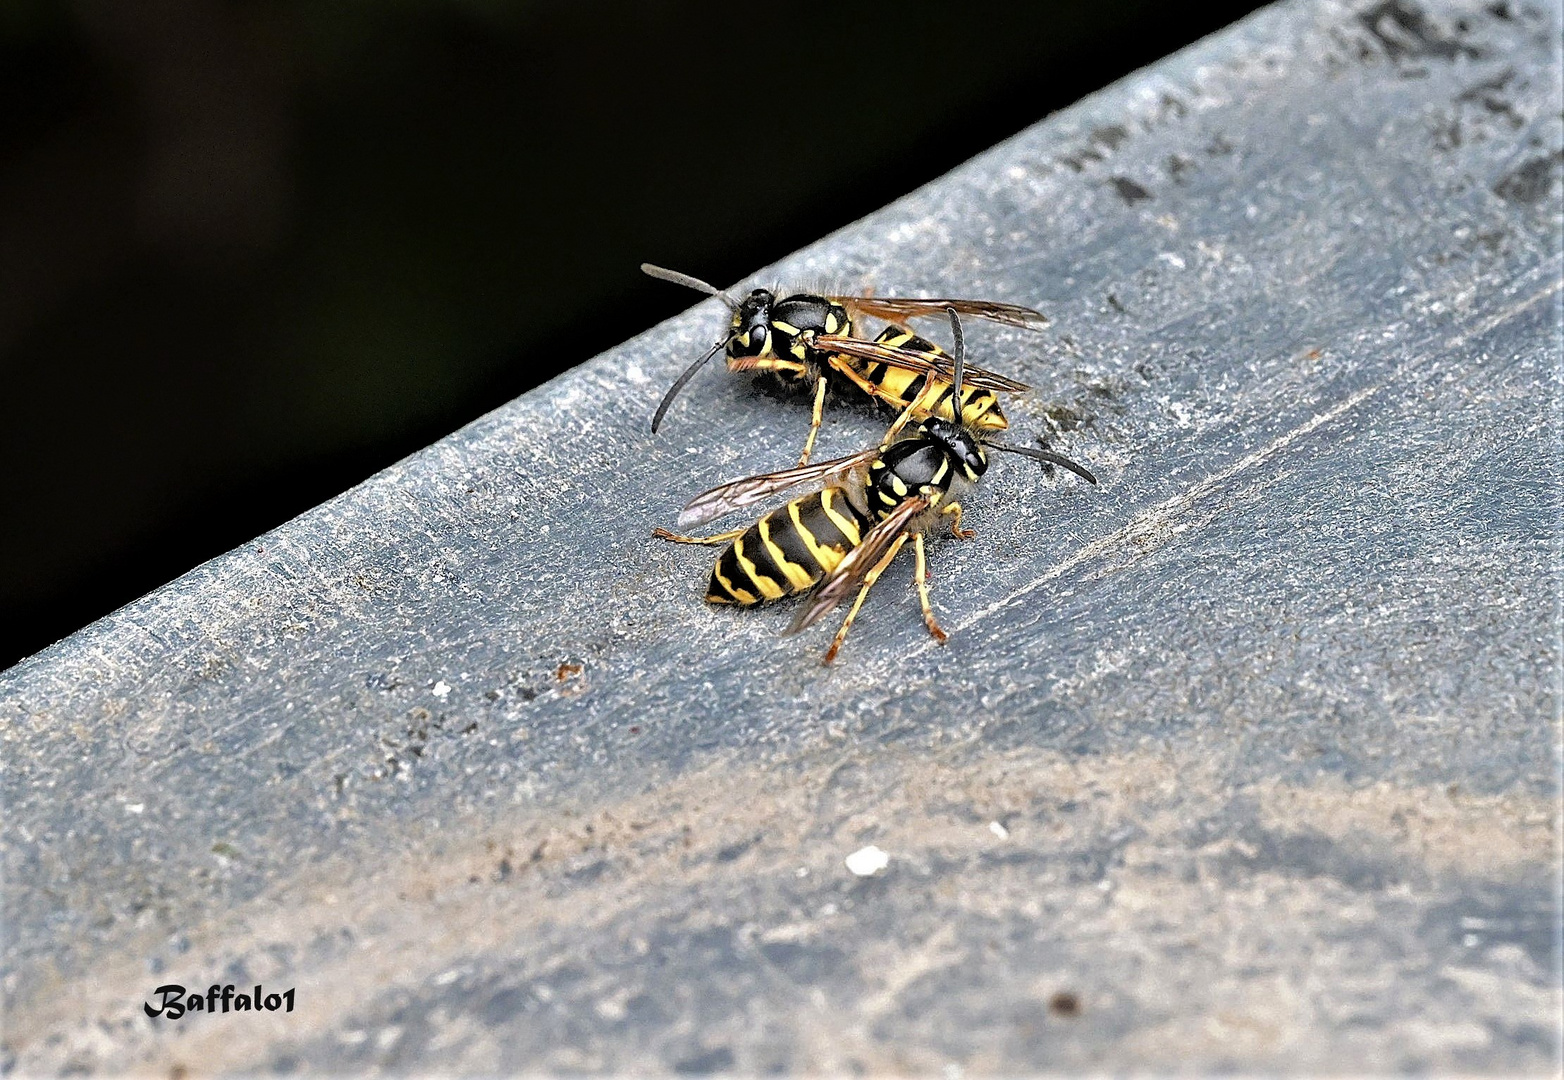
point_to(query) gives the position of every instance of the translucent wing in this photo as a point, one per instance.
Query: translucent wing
(940, 364)
(850, 572)
(895, 310)
(753, 489)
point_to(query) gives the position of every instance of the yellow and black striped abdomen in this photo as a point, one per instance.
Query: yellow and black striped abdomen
(899, 388)
(788, 550)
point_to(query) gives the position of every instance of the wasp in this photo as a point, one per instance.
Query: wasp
(840, 538)
(810, 339)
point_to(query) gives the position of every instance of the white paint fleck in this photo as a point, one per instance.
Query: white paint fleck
(611, 1009)
(866, 862)
(135, 807)
(1173, 259)
(441, 688)
(998, 830)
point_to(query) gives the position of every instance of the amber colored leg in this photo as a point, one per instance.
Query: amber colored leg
(907, 414)
(863, 593)
(719, 538)
(954, 509)
(921, 576)
(844, 367)
(814, 422)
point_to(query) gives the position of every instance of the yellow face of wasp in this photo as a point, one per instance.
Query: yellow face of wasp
(749, 336)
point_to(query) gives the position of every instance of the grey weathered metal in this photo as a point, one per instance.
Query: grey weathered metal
(1245, 759)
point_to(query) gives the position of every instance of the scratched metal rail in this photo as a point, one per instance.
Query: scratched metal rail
(1245, 759)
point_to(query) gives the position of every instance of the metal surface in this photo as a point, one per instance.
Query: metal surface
(1245, 759)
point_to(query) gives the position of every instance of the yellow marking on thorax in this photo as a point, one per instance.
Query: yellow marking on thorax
(847, 525)
(768, 588)
(797, 576)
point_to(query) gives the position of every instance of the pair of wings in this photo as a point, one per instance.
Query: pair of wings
(895, 310)
(737, 494)
(936, 362)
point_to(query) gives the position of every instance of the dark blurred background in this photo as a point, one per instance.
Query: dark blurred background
(252, 252)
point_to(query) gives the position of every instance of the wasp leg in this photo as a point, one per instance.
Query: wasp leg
(868, 583)
(842, 366)
(719, 538)
(954, 509)
(814, 422)
(929, 401)
(921, 576)
(901, 421)
(920, 406)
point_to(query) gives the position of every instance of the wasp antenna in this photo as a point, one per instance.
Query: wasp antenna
(689, 282)
(961, 358)
(1048, 456)
(678, 384)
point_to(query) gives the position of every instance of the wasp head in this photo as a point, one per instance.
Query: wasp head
(960, 443)
(751, 330)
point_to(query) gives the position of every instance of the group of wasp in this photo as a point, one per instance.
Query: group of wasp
(838, 539)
